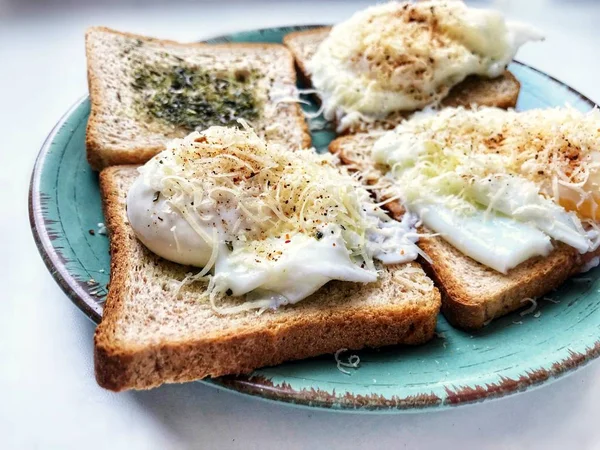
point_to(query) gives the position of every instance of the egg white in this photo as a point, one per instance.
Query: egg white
(274, 270)
(495, 241)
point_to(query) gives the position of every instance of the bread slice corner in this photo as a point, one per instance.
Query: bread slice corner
(150, 335)
(303, 45)
(473, 294)
(117, 133)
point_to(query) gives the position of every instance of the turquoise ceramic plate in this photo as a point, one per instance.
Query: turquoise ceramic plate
(508, 356)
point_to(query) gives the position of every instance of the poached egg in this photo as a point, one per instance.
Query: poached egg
(402, 56)
(499, 185)
(262, 221)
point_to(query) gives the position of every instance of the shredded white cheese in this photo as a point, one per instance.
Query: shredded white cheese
(262, 220)
(101, 229)
(532, 166)
(273, 191)
(353, 361)
(531, 309)
(402, 56)
(591, 264)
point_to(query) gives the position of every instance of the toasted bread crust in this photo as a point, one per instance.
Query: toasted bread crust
(100, 155)
(470, 308)
(120, 366)
(119, 369)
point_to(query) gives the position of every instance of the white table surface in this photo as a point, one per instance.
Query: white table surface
(48, 396)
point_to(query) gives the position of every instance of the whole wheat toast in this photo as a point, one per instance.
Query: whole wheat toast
(149, 335)
(502, 91)
(472, 294)
(119, 132)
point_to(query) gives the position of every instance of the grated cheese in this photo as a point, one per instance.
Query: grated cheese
(532, 166)
(101, 229)
(591, 264)
(353, 361)
(273, 190)
(531, 309)
(250, 203)
(402, 56)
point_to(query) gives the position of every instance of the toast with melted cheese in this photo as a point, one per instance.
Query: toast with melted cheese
(501, 92)
(472, 293)
(152, 333)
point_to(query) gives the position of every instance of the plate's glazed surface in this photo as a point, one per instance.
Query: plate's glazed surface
(509, 355)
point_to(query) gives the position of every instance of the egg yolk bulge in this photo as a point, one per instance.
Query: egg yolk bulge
(262, 219)
(403, 56)
(582, 196)
(539, 168)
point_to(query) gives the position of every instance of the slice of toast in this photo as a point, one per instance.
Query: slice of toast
(121, 132)
(472, 294)
(502, 91)
(150, 335)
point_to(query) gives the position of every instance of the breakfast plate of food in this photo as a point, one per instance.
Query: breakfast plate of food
(387, 214)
